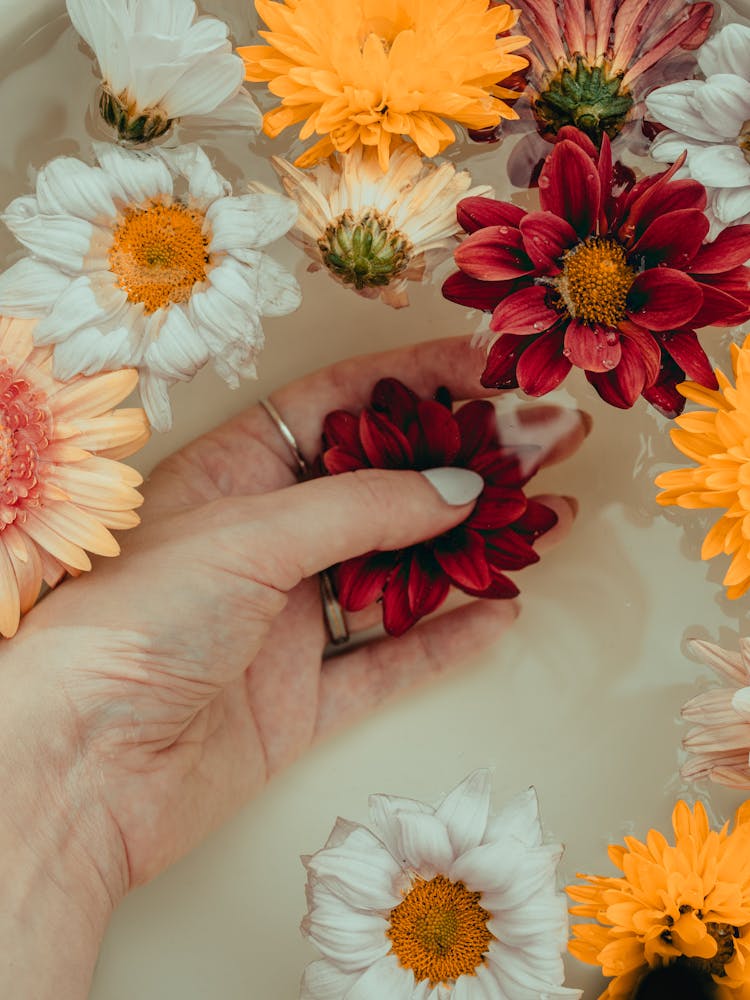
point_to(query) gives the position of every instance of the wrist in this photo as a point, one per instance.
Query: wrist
(59, 864)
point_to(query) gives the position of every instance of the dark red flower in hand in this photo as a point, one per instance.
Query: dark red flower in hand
(401, 431)
(612, 275)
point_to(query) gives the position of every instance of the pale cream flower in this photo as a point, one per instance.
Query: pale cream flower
(375, 231)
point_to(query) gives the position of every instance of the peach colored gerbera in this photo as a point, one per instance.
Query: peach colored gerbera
(717, 438)
(684, 905)
(369, 71)
(61, 489)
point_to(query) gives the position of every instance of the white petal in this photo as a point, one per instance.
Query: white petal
(481, 986)
(277, 290)
(140, 176)
(720, 166)
(61, 239)
(251, 220)
(384, 813)
(359, 870)
(91, 350)
(30, 288)
(384, 979)
(677, 106)
(156, 62)
(208, 83)
(727, 52)
(70, 187)
(172, 18)
(102, 24)
(350, 938)
(518, 979)
(504, 889)
(155, 399)
(726, 100)
(426, 846)
(465, 810)
(80, 306)
(240, 110)
(324, 981)
(732, 204)
(205, 183)
(668, 147)
(178, 351)
(518, 819)
(227, 311)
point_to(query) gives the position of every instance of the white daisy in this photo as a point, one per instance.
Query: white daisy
(377, 231)
(160, 62)
(146, 261)
(710, 120)
(438, 903)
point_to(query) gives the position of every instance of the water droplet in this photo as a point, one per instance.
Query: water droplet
(544, 181)
(599, 346)
(611, 337)
(566, 352)
(503, 230)
(538, 325)
(608, 362)
(591, 178)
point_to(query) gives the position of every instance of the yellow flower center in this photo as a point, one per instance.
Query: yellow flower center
(439, 930)
(743, 140)
(595, 281)
(159, 253)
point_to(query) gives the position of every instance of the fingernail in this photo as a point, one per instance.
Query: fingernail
(741, 701)
(455, 486)
(572, 503)
(587, 420)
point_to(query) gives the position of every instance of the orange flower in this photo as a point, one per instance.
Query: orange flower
(369, 71)
(687, 903)
(61, 489)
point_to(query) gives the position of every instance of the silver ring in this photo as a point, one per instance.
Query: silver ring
(332, 610)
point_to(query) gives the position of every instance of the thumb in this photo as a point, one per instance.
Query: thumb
(315, 524)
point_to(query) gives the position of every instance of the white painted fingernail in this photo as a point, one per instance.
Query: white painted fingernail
(455, 486)
(741, 701)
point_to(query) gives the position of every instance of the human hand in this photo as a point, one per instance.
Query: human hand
(157, 695)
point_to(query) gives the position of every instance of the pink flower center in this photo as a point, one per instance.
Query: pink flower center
(25, 427)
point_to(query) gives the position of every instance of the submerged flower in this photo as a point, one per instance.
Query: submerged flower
(61, 488)
(400, 431)
(710, 121)
(438, 902)
(720, 741)
(611, 276)
(687, 903)
(717, 438)
(130, 270)
(377, 231)
(592, 61)
(361, 72)
(160, 63)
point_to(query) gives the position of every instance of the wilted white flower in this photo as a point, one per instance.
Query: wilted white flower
(160, 62)
(146, 261)
(438, 903)
(377, 231)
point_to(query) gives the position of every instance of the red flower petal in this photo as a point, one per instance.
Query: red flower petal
(674, 239)
(496, 508)
(512, 466)
(573, 134)
(437, 438)
(646, 343)
(524, 312)
(478, 213)
(493, 254)
(731, 248)
(663, 299)
(684, 347)
(397, 614)
(663, 394)
(543, 366)
(502, 360)
(460, 552)
(342, 429)
(569, 187)
(385, 445)
(500, 589)
(659, 199)
(546, 237)
(537, 520)
(395, 400)
(624, 385)
(593, 348)
(477, 424)
(475, 294)
(428, 585)
(360, 581)
(337, 460)
(509, 550)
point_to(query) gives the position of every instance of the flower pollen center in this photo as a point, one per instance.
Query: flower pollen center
(366, 251)
(159, 253)
(743, 140)
(595, 281)
(591, 98)
(439, 930)
(25, 429)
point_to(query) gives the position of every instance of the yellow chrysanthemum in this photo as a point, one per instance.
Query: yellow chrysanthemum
(718, 439)
(370, 71)
(687, 903)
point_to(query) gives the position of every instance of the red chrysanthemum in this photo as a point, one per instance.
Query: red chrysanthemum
(401, 431)
(611, 275)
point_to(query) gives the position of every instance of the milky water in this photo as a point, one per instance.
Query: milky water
(580, 699)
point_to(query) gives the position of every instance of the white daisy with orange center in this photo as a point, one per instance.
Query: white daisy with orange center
(160, 63)
(147, 261)
(438, 903)
(61, 486)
